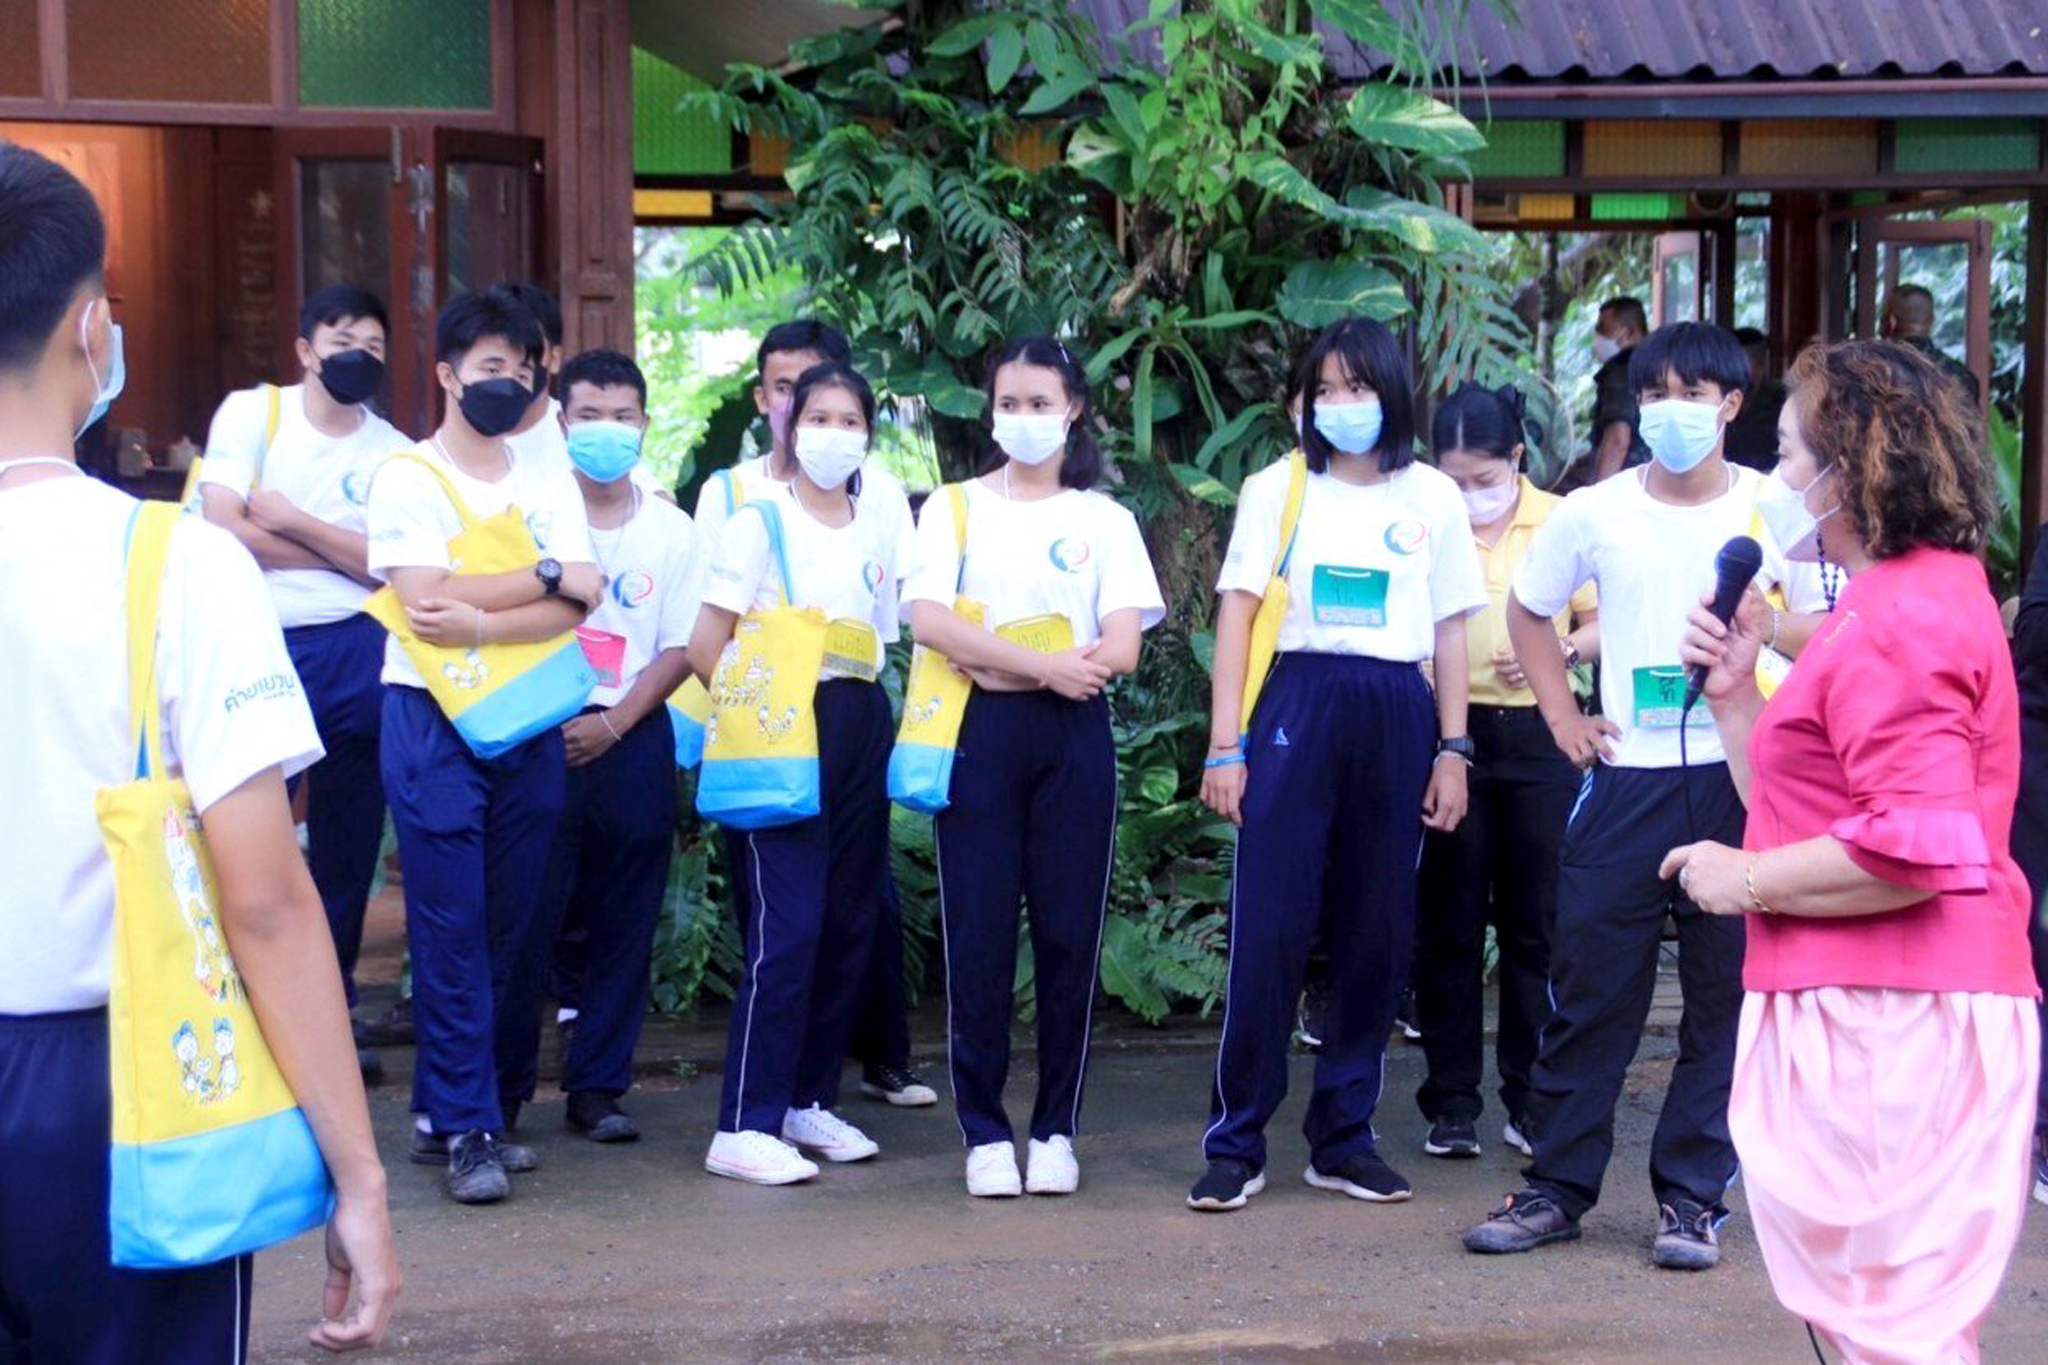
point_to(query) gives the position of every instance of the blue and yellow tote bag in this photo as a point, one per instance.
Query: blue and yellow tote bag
(935, 699)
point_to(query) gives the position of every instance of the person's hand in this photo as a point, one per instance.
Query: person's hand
(272, 511)
(1584, 739)
(1443, 803)
(1508, 669)
(1223, 788)
(1074, 674)
(361, 1255)
(586, 739)
(1728, 652)
(584, 582)
(444, 621)
(1713, 876)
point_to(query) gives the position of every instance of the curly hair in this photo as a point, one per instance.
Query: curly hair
(1904, 441)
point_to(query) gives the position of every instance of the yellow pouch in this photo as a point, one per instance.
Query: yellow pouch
(935, 699)
(1265, 638)
(497, 696)
(1051, 633)
(852, 649)
(211, 1156)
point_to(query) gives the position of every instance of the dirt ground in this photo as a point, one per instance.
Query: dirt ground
(634, 1256)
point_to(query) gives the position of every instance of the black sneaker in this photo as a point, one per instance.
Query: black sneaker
(431, 1149)
(1405, 1017)
(1685, 1238)
(1452, 1138)
(1227, 1186)
(2041, 1169)
(898, 1085)
(1364, 1176)
(1526, 1221)
(476, 1172)
(598, 1117)
(371, 1065)
(393, 1028)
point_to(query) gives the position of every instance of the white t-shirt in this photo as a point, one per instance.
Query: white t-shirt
(325, 476)
(849, 572)
(410, 521)
(231, 708)
(881, 497)
(650, 599)
(546, 442)
(1651, 561)
(1077, 554)
(1375, 566)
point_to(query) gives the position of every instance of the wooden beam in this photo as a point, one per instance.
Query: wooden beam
(2034, 383)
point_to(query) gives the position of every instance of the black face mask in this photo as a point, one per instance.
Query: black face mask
(493, 407)
(351, 376)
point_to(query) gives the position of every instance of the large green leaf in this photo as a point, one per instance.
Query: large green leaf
(1395, 116)
(1062, 89)
(1125, 973)
(1421, 226)
(1318, 293)
(1368, 23)
(1005, 55)
(967, 35)
(1203, 485)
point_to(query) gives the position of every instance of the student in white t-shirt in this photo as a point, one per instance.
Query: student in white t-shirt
(611, 858)
(1069, 591)
(474, 834)
(1647, 538)
(295, 498)
(881, 1035)
(815, 889)
(1343, 762)
(234, 725)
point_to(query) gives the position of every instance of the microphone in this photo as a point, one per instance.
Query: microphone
(1734, 568)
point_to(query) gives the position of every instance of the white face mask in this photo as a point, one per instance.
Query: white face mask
(830, 455)
(1605, 348)
(1488, 505)
(1030, 438)
(1792, 526)
(1680, 433)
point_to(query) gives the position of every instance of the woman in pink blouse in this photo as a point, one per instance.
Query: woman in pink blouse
(1883, 1099)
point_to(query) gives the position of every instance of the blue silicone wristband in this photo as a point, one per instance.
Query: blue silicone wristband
(1226, 761)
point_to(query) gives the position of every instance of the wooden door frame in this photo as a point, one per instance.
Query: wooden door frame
(1974, 235)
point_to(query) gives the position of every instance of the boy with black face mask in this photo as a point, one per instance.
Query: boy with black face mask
(287, 473)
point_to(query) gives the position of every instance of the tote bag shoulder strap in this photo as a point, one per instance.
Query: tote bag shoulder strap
(273, 405)
(735, 491)
(956, 495)
(462, 512)
(148, 551)
(1290, 515)
(771, 517)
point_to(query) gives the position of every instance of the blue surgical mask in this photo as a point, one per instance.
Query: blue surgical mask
(1679, 433)
(605, 451)
(109, 388)
(1353, 428)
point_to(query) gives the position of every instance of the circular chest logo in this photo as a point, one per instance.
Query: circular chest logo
(355, 486)
(632, 588)
(1070, 554)
(1407, 536)
(871, 574)
(538, 524)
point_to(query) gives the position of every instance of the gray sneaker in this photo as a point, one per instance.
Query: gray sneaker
(431, 1149)
(1686, 1239)
(475, 1173)
(1525, 1222)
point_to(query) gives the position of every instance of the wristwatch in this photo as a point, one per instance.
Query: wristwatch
(1460, 746)
(549, 572)
(1571, 653)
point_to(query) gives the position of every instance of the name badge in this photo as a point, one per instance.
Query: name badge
(852, 649)
(1660, 700)
(1048, 634)
(1343, 596)
(605, 653)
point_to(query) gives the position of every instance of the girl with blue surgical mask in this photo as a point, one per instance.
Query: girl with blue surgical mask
(1345, 758)
(815, 892)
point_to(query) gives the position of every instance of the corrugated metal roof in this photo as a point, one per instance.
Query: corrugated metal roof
(1653, 40)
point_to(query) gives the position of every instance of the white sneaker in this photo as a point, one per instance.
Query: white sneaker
(757, 1158)
(992, 1171)
(1051, 1166)
(1513, 1137)
(819, 1130)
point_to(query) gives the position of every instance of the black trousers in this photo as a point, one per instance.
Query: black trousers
(1611, 908)
(2030, 851)
(1499, 867)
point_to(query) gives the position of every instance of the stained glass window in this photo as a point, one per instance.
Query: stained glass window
(395, 54)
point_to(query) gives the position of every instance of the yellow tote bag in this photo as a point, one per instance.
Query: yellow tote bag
(497, 696)
(1265, 640)
(188, 499)
(934, 701)
(211, 1156)
(761, 744)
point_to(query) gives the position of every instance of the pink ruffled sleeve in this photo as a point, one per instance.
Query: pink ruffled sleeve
(1903, 712)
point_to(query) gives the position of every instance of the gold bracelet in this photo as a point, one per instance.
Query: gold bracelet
(1749, 883)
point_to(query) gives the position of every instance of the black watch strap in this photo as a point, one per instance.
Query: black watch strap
(1460, 745)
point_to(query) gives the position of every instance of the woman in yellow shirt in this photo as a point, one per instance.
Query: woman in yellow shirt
(1500, 865)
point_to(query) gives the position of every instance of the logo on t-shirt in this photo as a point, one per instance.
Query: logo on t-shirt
(632, 588)
(871, 574)
(1069, 554)
(1407, 536)
(355, 486)
(538, 524)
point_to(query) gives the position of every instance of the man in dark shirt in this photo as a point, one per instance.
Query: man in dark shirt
(2030, 815)
(1909, 320)
(1753, 435)
(1616, 442)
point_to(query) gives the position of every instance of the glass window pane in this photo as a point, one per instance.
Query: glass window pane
(490, 225)
(1681, 288)
(1752, 272)
(395, 54)
(215, 51)
(21, 66)
(345, 219)
(1943, 270)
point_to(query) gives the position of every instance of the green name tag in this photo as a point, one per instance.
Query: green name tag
(1660, 700)
(1343, 596)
